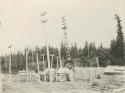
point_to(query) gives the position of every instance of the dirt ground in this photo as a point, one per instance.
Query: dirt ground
(105, 84)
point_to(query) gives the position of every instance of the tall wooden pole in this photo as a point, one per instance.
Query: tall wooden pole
(44, 21)
(0, 77)
(48, 56)
(37, 62)
(57, 64)
(44, 67)
(26, 66)
(10, 68)
(0, 57)
(44, 62)
(0, 65)
(88, 51)
(47, 50)
(10, 76)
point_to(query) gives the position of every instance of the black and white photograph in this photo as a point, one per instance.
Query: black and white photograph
(62, 46)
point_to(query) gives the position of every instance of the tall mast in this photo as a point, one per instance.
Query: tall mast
(10, 64)
(0, 56)
(44, 21)
(26, 51)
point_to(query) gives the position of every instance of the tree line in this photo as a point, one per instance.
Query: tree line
(115, 55)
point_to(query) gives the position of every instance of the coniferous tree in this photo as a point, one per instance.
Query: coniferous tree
(103, 54)
(113, 52)
(86, 50)
(113, 47)
(74, 51)
(119, 54)
(92, 50)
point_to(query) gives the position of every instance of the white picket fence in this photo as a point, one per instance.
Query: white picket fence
(88, 73)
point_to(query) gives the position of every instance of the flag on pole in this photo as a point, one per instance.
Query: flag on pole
(44, 13)
(9, 46)
(44, 21)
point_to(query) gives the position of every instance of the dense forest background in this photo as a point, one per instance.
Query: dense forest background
(115, 55)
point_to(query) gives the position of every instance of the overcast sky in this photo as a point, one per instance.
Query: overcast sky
(91, 20)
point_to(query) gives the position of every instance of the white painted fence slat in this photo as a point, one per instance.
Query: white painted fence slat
(88, 73)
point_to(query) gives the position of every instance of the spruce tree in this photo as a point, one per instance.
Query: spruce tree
(86, 50)
(113, 47)
(113, 52)
(74, 51)
(119, 42)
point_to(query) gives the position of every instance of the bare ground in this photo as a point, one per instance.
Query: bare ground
(105, 84)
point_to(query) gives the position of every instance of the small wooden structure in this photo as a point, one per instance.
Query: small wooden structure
(32, 76)
(94, 62)
(65, 74)
(61, 75)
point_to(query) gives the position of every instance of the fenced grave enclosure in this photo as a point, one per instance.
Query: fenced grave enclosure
(88, 73)
(79, 73)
